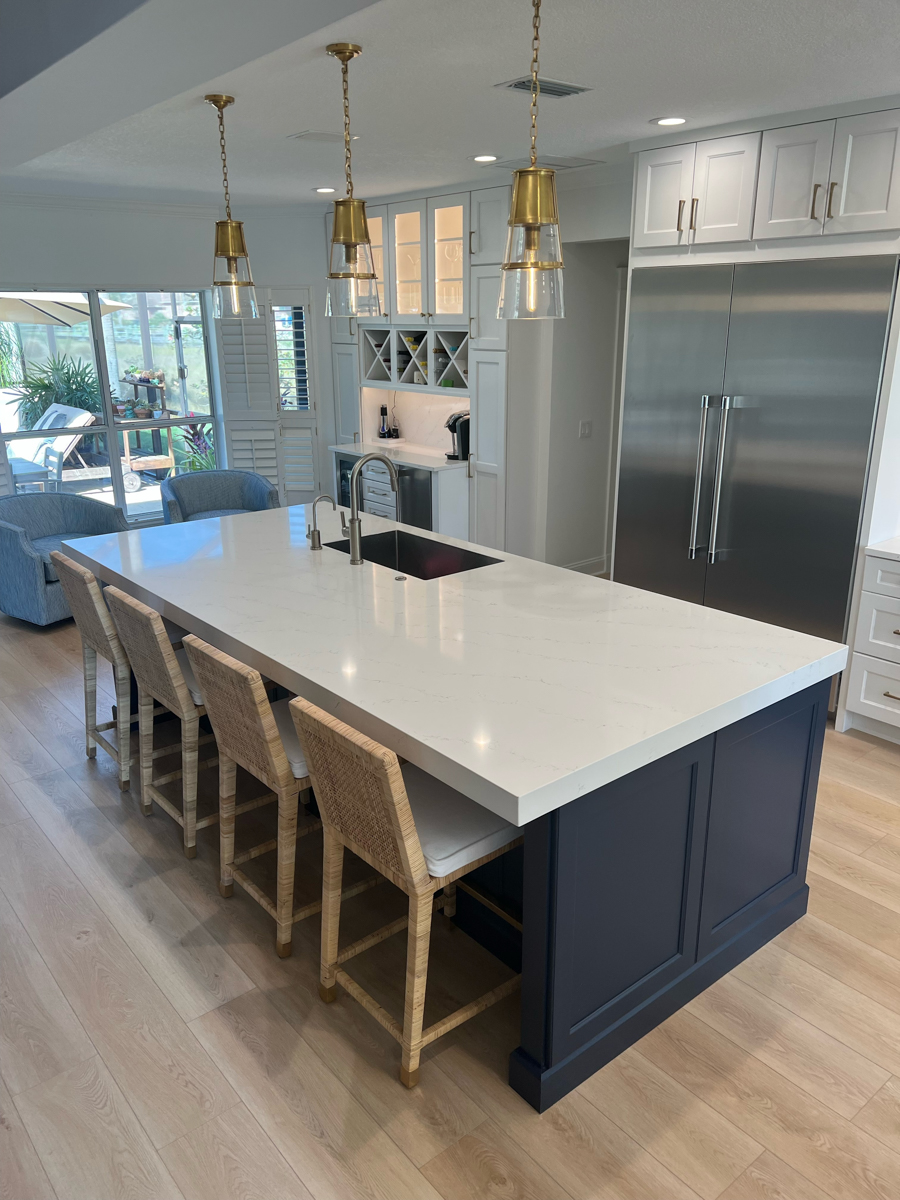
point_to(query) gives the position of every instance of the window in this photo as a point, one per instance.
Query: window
(290, 351)
(156, 419)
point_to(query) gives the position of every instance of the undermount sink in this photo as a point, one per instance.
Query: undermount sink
(409, 554)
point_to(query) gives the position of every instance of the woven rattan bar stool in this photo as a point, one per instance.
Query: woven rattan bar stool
(98, 636)
(421, 835)
(261, 738)
(163, 674)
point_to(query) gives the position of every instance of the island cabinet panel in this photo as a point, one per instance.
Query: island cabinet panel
(639, 895)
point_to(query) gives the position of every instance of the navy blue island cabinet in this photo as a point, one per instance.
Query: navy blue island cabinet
(642, 893)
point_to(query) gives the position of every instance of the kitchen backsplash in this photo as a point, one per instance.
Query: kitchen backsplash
(420, 415)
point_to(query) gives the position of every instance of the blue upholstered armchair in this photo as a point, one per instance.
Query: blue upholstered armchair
(30, 527)
(200, 494)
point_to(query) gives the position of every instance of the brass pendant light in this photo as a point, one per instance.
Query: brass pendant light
(532, 280)
(233, 292)
(352, 286)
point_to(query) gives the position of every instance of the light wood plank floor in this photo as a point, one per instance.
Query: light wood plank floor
(152, 1044)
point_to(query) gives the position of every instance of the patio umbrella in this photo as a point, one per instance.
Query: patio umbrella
(50, 308)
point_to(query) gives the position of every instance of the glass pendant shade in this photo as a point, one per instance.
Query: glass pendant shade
(352, 283)
(532, 270)
(233, 292)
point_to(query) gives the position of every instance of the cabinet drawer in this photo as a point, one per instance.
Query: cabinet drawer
(374, 489)
(882, 575)
(874, 688)
(878, 627)
(380, 510)
(375, 470)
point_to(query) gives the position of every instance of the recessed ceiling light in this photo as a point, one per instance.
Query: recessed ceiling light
(485, 158)
(668, 121)
(323, 190)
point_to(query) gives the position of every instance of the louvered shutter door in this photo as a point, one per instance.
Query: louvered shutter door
(249, 403)
(254, 447)
(298, 461)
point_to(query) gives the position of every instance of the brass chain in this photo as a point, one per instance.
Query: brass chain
(535, 82)
(224, 163)
(346, 87)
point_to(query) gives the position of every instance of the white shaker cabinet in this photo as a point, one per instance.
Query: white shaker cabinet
(663, 195)
(487, 458)
(864, 189)
(792, 191)
(489, 225)
(345, 369)
(724, 187)
(486, 330)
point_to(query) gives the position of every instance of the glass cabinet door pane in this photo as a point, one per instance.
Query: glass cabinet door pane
(448, 259)
(408, 257)
(376, 237)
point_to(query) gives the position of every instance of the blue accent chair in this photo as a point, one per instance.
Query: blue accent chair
(30, 527)
(200, 494)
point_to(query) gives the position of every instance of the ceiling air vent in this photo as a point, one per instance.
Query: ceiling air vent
(548, 160)
(549, 87)
(315, 135)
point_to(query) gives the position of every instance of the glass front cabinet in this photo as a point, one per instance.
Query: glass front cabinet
(429, 259)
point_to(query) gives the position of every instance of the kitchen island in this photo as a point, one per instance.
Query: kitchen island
(662, 757)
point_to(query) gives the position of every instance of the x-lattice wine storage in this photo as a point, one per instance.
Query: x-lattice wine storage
(430, 359)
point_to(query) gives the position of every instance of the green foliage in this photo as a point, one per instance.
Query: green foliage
(10, 356)
(197, 448)
(60, 380)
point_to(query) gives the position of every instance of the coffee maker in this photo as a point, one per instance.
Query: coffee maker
(458, 424)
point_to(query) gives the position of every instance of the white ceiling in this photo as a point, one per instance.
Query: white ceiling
(423, 100)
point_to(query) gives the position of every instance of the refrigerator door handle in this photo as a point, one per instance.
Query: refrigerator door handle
(717, 485)
(698, 476)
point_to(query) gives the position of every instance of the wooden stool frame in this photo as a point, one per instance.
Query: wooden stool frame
(159, 678)
(361, 792)
(247, 736)
(98, 636)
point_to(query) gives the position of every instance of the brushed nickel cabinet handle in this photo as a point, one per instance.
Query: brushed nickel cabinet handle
(891, 696)
(695, 204)
(828, 213)
(812, 211)
(717, 483)
(897, 633)
(678, 226)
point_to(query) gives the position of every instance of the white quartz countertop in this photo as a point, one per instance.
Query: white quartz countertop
(888, 549)
(406, 453)
(521, 684)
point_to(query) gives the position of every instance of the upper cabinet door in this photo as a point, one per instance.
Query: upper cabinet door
(864, 190)
(345, 368)
(378, 230)
(724, 180)
(663, 196)
(448, 260)
(489, 226)
(791, 194)
(408, 233)
(486, 330)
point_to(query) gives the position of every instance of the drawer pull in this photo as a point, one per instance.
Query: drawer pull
(891, 696)
(897, 633)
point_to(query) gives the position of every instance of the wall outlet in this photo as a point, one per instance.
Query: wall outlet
(584, 429)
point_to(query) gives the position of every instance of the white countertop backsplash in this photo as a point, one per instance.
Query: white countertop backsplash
(521, 684)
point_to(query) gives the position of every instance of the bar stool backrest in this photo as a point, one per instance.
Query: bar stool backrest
(240, 713)
(147, 645)
(360, 792)
(88, 608)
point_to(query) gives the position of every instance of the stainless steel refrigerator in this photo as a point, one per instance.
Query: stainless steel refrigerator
(750, 398)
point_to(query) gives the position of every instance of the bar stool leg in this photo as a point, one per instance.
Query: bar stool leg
(145, 739)
(449, 909)
(227, 791)
(287, 849)
(190, 736)
(332, 876)
(417, 945)
(123, 724)
(89, 661)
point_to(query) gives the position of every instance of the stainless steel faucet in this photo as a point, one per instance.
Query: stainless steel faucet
(354, 532)
(312, 531)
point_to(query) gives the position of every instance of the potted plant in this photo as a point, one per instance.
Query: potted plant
(60, 380)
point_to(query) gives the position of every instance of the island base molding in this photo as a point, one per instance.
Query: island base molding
(638, 896)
